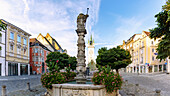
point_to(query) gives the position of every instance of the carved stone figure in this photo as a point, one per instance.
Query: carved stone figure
(81, 21)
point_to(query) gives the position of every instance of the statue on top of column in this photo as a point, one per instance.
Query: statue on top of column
(81, 21)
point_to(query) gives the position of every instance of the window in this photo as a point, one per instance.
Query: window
(11, 47)
(153, 58)
(42, 59)
(130, 45)
(36, 59)
(152, 49)
(0, 38)
(141, 59)
(0, 52)
(25, 50)
(25, 41)
(152, 42)
(142, 44)
(12, 35)
(46, 53)
(42, 52)
(137, 45)
(137, 53)
(18, 50)
(36, 50)
(141, 51)
(19, 38)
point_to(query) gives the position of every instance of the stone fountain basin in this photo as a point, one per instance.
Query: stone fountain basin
(78, 90)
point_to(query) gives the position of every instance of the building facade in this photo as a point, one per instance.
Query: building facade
(2, 52)
(91, 60)
(38, 53)
(50, 43)
(17, 51)
(143, 52)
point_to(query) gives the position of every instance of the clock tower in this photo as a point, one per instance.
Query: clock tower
(91, 61)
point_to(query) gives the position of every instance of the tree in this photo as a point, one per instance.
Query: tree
(57, 61)
(116, 58)
(73, 62)
(162, 31)
(2, 27)
(57, 58)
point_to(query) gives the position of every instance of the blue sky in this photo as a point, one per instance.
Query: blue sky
(110, 21)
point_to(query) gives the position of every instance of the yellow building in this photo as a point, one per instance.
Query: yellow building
(143, 52)
(50, 43)
(17, 50)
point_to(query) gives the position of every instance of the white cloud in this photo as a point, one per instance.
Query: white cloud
(55, 17)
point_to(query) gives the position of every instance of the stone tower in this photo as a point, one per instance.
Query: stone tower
(91, 60)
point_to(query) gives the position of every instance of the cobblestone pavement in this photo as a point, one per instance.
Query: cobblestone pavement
(150, 82)
(14, 83)
(35, 91)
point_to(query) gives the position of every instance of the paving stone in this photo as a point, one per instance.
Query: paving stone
(14, 83)
(148, 83)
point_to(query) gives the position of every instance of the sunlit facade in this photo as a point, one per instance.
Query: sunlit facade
(143, 52)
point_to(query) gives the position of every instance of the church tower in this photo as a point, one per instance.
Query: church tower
(91, 61)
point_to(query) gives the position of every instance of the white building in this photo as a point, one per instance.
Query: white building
(15, 51)
(2, 52)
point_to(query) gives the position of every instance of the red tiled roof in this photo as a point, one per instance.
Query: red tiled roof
(147, 33)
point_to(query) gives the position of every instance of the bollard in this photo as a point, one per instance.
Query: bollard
(126, 82)
(137, 89)
(126, 86)
(28, 86)
(4, 91)
(158, 92)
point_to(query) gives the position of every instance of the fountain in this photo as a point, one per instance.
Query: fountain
(81, 88)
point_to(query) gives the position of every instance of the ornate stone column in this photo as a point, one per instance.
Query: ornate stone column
(81, 31)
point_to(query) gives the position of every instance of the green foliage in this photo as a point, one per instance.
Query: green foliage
(111, 80)
(69, 75)
(54, 56)
(68, 69)
(2, 26)
(104, 69)
(47, 79)
(63, 61)
(166, 6)
(53, 66)
(72, 62)
(115, 57)
(162, 31)
(164, 48)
